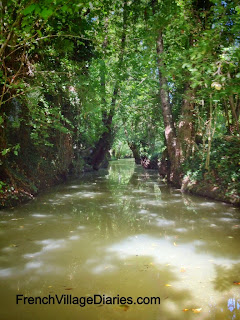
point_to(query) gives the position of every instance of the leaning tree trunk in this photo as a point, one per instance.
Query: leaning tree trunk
(135, 152)
(133, 147)
(104, 143)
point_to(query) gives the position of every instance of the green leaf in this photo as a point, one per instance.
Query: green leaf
(29, 9)
(64, 8)
(237, 9)
(5, 151)
(46, 13)
(39, 33)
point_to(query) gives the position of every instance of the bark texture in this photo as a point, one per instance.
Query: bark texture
(170, 133)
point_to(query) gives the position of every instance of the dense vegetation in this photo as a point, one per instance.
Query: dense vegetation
(159, 78)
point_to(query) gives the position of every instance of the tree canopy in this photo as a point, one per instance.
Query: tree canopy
(81, 78)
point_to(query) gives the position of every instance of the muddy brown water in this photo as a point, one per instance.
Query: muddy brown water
(120, 232)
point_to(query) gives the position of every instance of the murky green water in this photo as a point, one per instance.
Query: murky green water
(121, 232)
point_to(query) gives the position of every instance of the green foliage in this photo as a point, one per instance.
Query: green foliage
(225, 161)
(15, 149)
(120, 150)
(2, 184)
(68, 66)
(224, 165)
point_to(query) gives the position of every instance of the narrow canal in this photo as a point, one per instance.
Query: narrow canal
(123, 232)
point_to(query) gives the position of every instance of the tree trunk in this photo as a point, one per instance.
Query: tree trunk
(104, 143)
(170, 134)
(135, 152)
(185, 134)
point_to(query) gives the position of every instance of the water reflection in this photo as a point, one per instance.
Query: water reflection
(122, 231)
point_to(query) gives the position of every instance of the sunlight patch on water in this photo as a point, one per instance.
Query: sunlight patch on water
(207, 204)
(229, 220)
(87, 194)
(33, 265)
(165, 251)
(81, 227)
(175, 201)
(39, 215)
(154, 215)
(162, 251)
(227, 214)
(4, 273)
(158, 203)
(139, 191)
(74, 187)
(48, 245)
(213, 225)
(181, 230)
(143, 211)
(163, 222)
(105, 267)
(51, 244)
(74, 237)
(127, 197)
